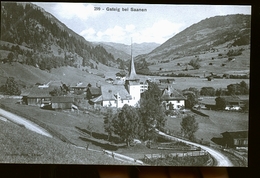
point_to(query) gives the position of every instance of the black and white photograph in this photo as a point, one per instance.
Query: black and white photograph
(124, 84)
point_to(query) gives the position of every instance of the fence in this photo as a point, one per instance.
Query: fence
(157, 159)
(241, 157)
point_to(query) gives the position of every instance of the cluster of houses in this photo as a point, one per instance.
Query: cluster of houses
(126, 89)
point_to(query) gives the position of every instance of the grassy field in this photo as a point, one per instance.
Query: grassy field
(64, 122)
(218, 122)
(19, 145)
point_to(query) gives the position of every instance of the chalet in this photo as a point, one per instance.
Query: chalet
(172, 99)
(121, 75)
(109, 80)
(37, 96)
(62, 102)
(93, 92)
(232, 139)
(80, 86)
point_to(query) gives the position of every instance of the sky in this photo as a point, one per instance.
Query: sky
(156, 23)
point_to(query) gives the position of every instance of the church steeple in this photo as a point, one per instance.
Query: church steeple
(131, 72)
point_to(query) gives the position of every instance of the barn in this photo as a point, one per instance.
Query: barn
(61, 102)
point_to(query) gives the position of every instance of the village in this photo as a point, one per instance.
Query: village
(127, 88)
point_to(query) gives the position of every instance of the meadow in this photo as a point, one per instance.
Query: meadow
(22, 146)
(217, 123)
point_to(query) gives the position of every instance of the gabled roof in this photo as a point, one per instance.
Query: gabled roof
(231, 98)
(79, 85)
(94, 90)
(238, 134)
(36, 92)
(109, 92)
(171, 94)
(97, 99)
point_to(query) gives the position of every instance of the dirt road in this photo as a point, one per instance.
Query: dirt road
(221, 159)
(21, 121)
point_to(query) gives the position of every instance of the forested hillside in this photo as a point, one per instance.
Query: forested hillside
(32, 36)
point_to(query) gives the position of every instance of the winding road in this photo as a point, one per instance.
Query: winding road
(21, 121)
(221, 160)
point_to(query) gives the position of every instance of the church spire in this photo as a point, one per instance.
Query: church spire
(131, 72)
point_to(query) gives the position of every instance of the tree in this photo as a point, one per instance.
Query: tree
(127, 124)
(11, 87)
(108, 122)
(56, 92)
(195, 63)
(151, 110)
(10, 57)
(207, 91)
(189, 126)
(220, 103)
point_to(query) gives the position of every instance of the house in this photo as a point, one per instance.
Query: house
(61, 102)
(109, 80)
(121, 75)
(232, 139)
(172, 99)
(37, 96)
(93, 92)
(79, 87)
(143, 86)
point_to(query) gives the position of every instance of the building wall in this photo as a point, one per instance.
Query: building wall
(134, 91)
(61, 105)
(37, 101)
(177, 104)
(111, 103)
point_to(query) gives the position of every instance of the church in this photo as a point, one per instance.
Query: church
(119, 95)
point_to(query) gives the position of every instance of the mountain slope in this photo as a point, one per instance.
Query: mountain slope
(211, 32)
(125, 50)
(27, 25)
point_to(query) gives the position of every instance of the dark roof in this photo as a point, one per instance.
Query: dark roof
(171, 94)
(79, 85)
(238, 134)
(62, 99)
(36, 92)
(232, 98)
(94, 90)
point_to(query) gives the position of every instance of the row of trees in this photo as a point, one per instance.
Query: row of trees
(241, 88)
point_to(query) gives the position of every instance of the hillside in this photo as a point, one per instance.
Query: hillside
(38, 149)
(123, 51)
(33, 36)
(213, 41)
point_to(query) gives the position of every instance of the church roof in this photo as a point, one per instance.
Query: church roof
(109, 92)
(131, 73)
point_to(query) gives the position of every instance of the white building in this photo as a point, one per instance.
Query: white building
(172, 99)
(119, 95)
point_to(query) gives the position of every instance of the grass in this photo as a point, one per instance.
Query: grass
(19, 145)
(218, 122)
(64, 122)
